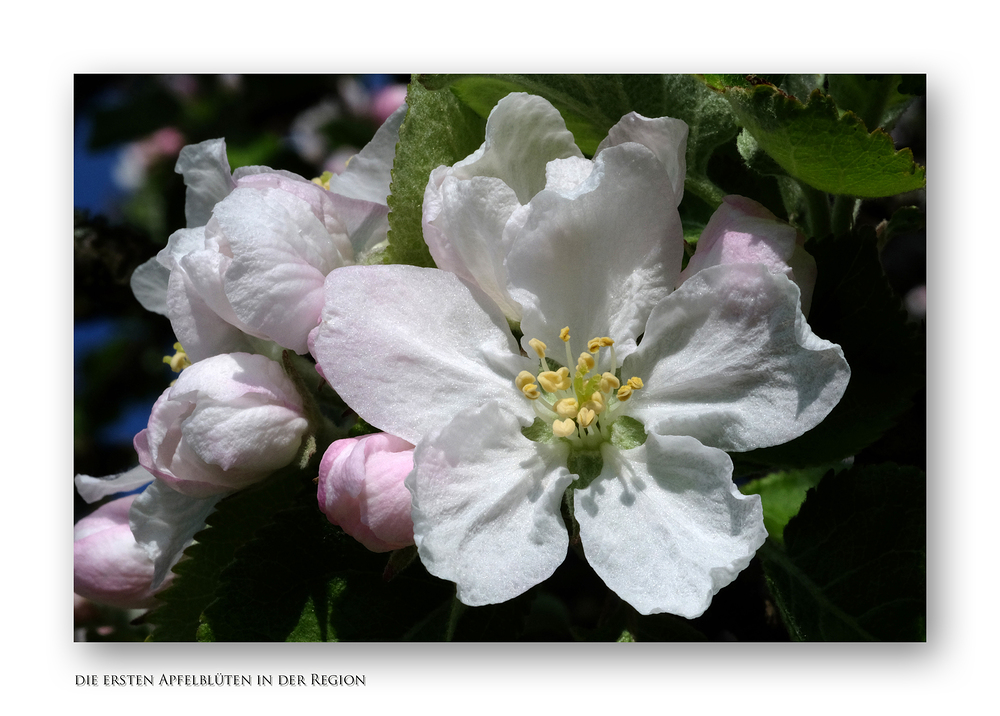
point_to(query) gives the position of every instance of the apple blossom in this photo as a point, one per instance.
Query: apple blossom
(250, 266)
(227, 422)
(632, 432)
(361, 490)
(109, 567)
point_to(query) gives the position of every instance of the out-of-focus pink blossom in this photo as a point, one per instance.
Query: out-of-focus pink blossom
(109, 567)
(386, 101)
(742, 231)
(227, 422)
(361, 490)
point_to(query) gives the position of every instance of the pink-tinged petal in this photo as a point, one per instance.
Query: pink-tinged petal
(743, 231)
(108, 566)
(664, 526)
(729, 359)
(408, 348)
(664, 136)
(599, 258)
(228, 422)
(198, 327)
(361, 490)
(486, 505)
(463, 224)
(281, 256)
(523, 134)
(207, 177)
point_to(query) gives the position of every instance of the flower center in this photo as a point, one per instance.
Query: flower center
(581, 408)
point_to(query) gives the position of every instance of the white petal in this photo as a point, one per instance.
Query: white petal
(164, 522)
(149, 285)
(281, 255)
(367, 176)
(729, 359)
(92, 489)
(207, 176)
(486, 505)
(198, 327)
(409, 348)
(523, 134)
(665, 136)
(599, 258)
(463, 224)
(664, 526)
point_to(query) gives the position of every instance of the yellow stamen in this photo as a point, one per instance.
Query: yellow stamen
(567, 408)
(538, 347)
(594, 345)
(624, 393)
(635, 383)
(523, 378)
(596, 403)
(586, 417)
(585, 363)
(609, 382)
(564, 334)
(563, 428)
(179, 360)
(531, 391)
(606, 342)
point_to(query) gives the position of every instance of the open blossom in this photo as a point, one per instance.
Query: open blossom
(361, 490)
(632, 432)
(743, 231)
(259, 243)
(226, 423)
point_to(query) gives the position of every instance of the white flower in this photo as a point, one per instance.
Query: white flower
(725, 362)
(258, 245)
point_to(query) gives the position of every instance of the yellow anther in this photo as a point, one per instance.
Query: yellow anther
(523, 378)
(563, 428)
(624, 393)
(567, 408)
(179, 360)
(594, 345)
(586, 417)
(531, 391)
(564, 334)
(552, 380)
(635, 383)
(606, 342)
(538, 347)
(596, 402)
(324, 180)
(609, 382)
(585, 363)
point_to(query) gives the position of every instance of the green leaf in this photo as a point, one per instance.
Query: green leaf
(301, 579)
(854, 306)
(818, 146)
(438, 129)
(234, 521)
(876, 99)
(782, 494)
(592, 104)
(854, 566)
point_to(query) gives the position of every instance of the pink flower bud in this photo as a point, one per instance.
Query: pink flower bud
(741, 231)
(108, 566)
(227, 422)
(361, 489)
